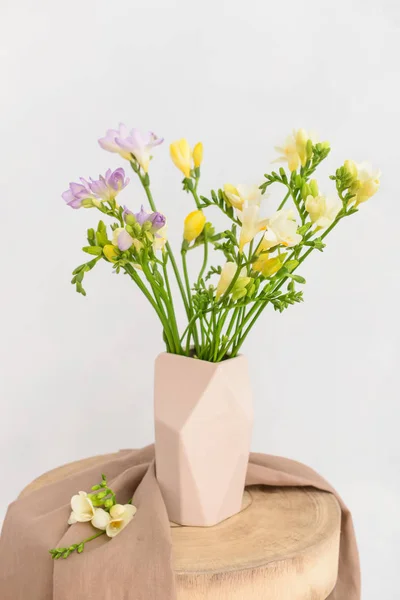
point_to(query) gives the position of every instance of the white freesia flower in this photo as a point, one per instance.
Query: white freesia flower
(281, 230)
(82, 509)
(251, 224)
(323, 211)
(227, 274)
(242, 195)
(101, 519)
(120, 516)
(367, 178)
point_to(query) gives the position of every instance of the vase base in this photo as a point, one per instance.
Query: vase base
(246, 502)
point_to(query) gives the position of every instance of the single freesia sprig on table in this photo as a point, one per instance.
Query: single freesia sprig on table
(250, 264)
(100, 509)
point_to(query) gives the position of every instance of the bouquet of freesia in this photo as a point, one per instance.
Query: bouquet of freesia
(251, 264)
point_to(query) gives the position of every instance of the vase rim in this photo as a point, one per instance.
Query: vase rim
(200, 360)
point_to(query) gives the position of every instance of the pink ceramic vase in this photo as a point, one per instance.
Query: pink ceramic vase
(203, 427)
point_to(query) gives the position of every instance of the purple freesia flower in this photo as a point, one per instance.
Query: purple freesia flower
(78, 192)
(107, 187)
(134, 143)
(124, 240)
(156, 219)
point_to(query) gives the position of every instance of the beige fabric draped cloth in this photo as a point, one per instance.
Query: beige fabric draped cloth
(136, 564)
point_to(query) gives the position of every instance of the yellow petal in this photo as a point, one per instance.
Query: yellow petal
(198, 154)
(181, 155)
(194, 225)
(110, 252)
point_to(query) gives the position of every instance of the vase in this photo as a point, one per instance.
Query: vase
(203, 427)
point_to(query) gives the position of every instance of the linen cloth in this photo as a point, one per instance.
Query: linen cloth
(136, 564)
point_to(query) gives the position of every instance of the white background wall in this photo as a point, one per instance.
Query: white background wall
(76, 373)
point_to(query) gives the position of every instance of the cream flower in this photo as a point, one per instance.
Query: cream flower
(281, 230)
(242, 195)
(366, 179)
(101, 519)
(294, 151)
(322, 211)
(252, 224)
(120, 517)
(160, 238)
(227, 274)
(82, 509)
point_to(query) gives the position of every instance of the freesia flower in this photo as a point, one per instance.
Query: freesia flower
(156, 219)
(82, 509)
(135, 143)
(182, 155)
(282, 229)
(122, 239)
(120, 517)
(294, 151)
(266, 264)
(79, 194)
(110, 252)
(194, 225)
(198, 155)
(322, 211)
(227, 274)
(101, 519)
(160, 238)
(110, 185)
(252, 224)
(242, 195)
(366, 180)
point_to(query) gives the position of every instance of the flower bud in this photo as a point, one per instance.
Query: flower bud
(314, 188)
(181, 155)
(110, 252)
(194, 225)
(198, 155)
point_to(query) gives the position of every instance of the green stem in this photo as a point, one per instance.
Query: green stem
(205, 259)
(193, 330)
(282, 204)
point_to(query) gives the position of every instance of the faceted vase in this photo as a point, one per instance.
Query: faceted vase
(203, 427)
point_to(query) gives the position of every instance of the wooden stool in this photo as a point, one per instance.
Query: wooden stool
(283, 545)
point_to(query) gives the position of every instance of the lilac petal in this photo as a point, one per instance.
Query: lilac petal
(158, 220)
(142, 216)
(125, 241)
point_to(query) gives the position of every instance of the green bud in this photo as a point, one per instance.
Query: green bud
(95, 250)
(325, 145)
(101, 495)
(108, 503)
(130, 219)
(95, 487)
(305, 191)
(129, 229)
(299, 181)
(309, 149)
(314, 187)
(80, 547)
(90, 234)
(137, 229)
(283, 174)
(147, 225)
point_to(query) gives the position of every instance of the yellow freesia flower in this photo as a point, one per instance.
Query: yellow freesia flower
(198, 155)
(110, 252)
(282, 230)
(194, 225)
(182, 155)
(268, 266)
